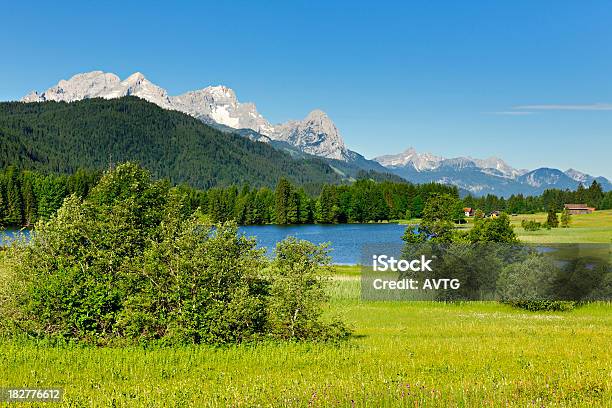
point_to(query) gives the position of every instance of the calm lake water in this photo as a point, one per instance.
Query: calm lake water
(346, 240)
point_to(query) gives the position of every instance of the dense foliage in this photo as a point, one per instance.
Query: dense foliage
(62, 137)
(26, 196)
(490, 263)
(133, 262)
(551, 199)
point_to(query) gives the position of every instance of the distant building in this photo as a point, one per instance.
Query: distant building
(579, 209)
(469, 212)
(494, 214)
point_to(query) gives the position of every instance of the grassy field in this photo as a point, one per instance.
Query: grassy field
(595, 227)
(584, 228)
(402, 354)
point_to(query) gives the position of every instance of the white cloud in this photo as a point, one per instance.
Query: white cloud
(510, 113)
(585, 107)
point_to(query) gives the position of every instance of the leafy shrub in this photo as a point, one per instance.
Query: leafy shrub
(495, 229)
(130, 263)
(539, 282)
(298, 279)
(531, 225)
(544, 305)
(527, 283)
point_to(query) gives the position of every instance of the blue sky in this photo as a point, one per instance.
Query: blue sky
(528, 81)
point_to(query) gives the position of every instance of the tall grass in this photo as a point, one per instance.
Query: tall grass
(403, 354)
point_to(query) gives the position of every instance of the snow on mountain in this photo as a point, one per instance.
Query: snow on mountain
(483, 176)
(544, 177)
(316, 134)
(215, 105)
(219, 104)
(427, 161)
(98, 84)
(501, 167)
(410, 157)
(458, 163)
(586, 179)
(578, 175)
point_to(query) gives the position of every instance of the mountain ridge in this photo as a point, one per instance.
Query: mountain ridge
(62, 137)
(483, 176)
(317, 135)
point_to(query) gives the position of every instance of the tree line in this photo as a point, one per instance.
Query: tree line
(551, 199)
(27, 196)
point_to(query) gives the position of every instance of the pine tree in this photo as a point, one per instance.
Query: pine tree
(30, 206)
(566, 218)
(552, 220)
(13, 198)
(417, 206)
(293, 207)
(3, 206)
(282, 202)
(327, 205)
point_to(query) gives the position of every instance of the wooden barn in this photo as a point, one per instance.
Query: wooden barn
(579, 209)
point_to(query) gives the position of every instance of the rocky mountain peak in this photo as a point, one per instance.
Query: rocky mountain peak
(317, 114)
(216, 105)
(135, 77)
(80, 86)
(316, 134)
(221, 92)
(577, 175)
(410, 157)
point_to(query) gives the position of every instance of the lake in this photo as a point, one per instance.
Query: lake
(346, 240)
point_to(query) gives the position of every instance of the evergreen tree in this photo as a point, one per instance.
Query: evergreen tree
(305, 208)
(3, 206)
(327, 205)
(30, 206)
(566, 218)
(552, 220)
(293, 206)
(417, 207)
(594, 194)
(50, 192)
(14, 200)
(283, 198)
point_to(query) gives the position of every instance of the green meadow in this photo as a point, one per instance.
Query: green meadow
(402, 354)
(584, 228)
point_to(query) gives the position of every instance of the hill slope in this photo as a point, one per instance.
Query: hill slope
(61, 137)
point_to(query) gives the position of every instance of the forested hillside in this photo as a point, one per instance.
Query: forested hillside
(58, 137)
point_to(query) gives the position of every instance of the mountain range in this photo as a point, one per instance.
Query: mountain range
(484, 176)
(317, 135)
(57, 137)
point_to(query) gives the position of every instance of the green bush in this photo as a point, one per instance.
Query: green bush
(299, 274)
(544, 305)
(531, 225)
(130, 263)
